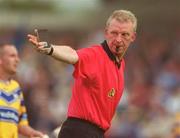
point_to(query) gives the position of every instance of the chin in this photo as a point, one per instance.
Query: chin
(118, 53)
(13, 72)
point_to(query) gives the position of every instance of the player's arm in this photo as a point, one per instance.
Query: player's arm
(23, 127)
(28, 131)
(59, 52)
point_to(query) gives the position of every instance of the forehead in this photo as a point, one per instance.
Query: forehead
(9, 49)
(121, 25)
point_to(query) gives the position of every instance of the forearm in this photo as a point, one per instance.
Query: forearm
(61, 52)
(29, 131)
(65, 54)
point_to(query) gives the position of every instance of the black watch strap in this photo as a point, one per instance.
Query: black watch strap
(51, 51)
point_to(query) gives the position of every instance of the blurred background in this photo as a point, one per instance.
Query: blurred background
(150, 107)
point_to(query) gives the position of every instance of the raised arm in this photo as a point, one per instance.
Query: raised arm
(59, 52)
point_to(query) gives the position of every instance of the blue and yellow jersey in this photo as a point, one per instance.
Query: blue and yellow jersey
(12, 109)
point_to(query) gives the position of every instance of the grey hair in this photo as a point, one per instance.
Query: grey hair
(123, 16)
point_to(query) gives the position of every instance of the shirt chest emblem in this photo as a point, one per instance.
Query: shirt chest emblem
(111, 93)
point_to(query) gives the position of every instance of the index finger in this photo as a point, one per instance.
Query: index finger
(37, 34)
(32, 39)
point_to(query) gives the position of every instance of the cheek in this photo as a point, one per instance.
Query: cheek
(112, 47)
(108, 36)
(111, 41)
(7, 64)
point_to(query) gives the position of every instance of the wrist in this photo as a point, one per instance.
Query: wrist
(51, 50)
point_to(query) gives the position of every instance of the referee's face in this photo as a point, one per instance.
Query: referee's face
(119, 35)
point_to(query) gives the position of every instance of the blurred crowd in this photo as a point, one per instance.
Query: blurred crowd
(150, 106)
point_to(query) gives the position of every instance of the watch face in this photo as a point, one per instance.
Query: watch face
(46, 45)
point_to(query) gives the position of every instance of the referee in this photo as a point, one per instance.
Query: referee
(98, 76)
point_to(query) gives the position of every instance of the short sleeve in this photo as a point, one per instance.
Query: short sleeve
(86, 62)
(23, 119)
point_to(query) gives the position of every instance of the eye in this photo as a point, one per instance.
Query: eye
(125, 34)
(114, 33)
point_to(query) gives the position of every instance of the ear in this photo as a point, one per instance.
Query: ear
(105, 32)
(133, 37)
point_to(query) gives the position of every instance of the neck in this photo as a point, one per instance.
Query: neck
(4, 76)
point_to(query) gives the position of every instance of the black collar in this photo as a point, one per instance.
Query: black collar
(109, 53)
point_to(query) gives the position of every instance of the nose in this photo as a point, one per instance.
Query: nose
(119, 38)
(17, 59)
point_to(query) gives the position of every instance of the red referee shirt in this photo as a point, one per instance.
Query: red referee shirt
(98, 85)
